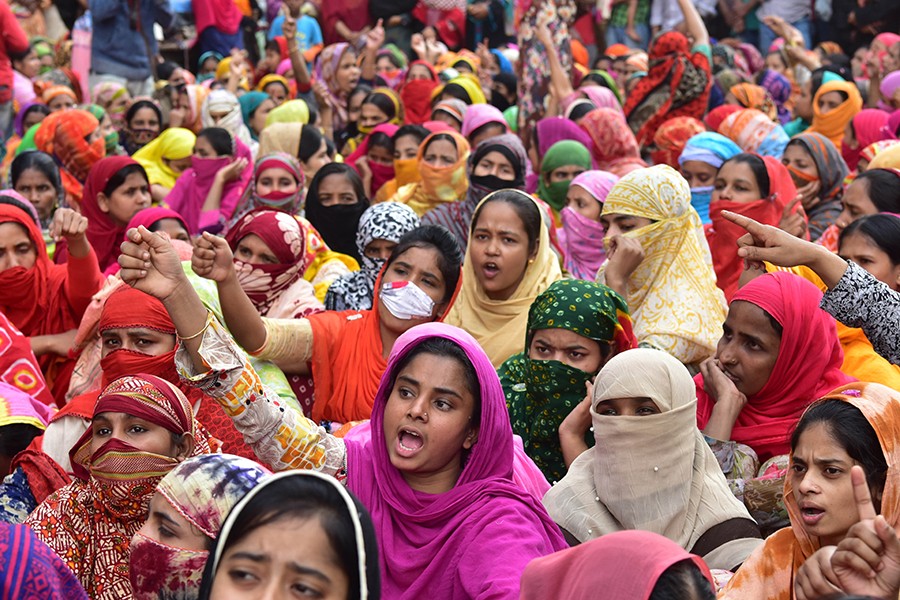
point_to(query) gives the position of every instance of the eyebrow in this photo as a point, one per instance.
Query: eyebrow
(753, 338)
(164, 517)
(293, 566)
(442, 390)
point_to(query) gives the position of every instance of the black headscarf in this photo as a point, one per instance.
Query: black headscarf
(338, 223)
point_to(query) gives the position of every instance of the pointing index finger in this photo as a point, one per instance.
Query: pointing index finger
(861, 494)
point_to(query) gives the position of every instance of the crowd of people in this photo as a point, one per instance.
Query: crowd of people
(461, 299)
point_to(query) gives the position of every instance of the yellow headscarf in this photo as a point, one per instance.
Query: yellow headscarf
(887, 159)
(468, 82)
(272, 78)
(832, 124)
(174, 143)
(672, 295)
(282, 137)
(292, 111)
(500, 325)
(437, 185)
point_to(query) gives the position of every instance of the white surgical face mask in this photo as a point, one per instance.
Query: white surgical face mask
(405, 300)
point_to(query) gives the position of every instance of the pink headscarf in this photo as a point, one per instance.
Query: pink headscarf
(583, 240)
(868, 128)
(423, 536)
(479, 115)
(625, 565)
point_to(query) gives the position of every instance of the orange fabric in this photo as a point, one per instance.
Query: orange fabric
(347, 375)
(832, 124)
(754, 96)
(770, 570)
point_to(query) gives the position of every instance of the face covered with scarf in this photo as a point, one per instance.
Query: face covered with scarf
(700, 160)
(584, 252)
(562, 162)
(114, 98)
(197, 495)
(278, 235)
(334, 205)
(277, 183)
(380, 229)
(489, 173)
(754, 131)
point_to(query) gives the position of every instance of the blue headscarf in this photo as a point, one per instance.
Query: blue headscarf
(713, 149)
(505, 65)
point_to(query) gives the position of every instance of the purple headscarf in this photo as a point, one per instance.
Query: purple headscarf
(779, 87)
(433, 545)
(19, 122)
(556, 129)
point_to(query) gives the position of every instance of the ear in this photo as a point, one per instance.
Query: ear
(103, 202)
(471, 438)
(185, 447)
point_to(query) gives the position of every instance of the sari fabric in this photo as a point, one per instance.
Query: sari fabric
(770, 572)
(89, 523)
(18, 366)
(807, 367)
(541, 393)
(780, 89)
(633, 562)
(583, 240)
(654, 472)
(174, 143)
(832, 172)
(32, 569)
(615, 148)
(292, 111)
(420, 534)
(671, 138)
(500, 325)
(281, 137)
(276, 290)
(63, 135)
(672, 295)
(479, 115)
(724, 234)
(756, 132)
(832, 124)
(677, 84)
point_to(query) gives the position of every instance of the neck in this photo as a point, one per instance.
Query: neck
(438, 482)
(388, 338)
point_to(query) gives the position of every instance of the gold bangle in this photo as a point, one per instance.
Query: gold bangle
(199, 333)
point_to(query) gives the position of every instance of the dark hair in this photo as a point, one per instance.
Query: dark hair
(383, 102)
(121, 175)
(138, 105)
(454, 90)
(525, 208)
(815, 81)
(882, 229)
(39, 161)
(362, 88)
(380, 139)
(15, 437)
(41, 108)
(330, 148)
(18, 56)
(437, 138)
(483, 128)
(305, 498)
(313, 112)
(394, 59)
(220, 140)
(418, 131)
(883, 187)
(273, 45)
(450, 255)
(445, 348)
(310, 142)
(581, 109)
(165, 69)
(758, 166)
(849, 428)
(312, 195)
(682, 581)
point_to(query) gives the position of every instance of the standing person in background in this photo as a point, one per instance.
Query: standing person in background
(12, 41)
(123, 42)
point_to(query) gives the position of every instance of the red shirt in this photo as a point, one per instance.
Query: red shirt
(12, 39)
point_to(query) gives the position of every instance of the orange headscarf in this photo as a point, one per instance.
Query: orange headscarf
(62, 135)
(832, 124)
(769, 572)
(437, 184)
(755, 96)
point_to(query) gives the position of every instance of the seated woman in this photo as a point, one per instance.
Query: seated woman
(450, 111)
(559, 166)
(508, 263)
(818, 171)
(324, 529)
(166, 220)
(868, 126)
(34, 566)
(335, 201)
(875, 191)
(187, 511)
(381, 227)
(59, 98)
(306, 143)
(24, 418)
(778, 353)
(574, 328)
(834, 106)
(658, 259)
(442, 171)
(419, 284)
(583, 241)
(483, 121)
(43, 300)
(637, 565)
(497, 163)
(222, 109)
(373, 158)
(650, 468)
(255, 107)
(35, 175)
(143, 122)
(27, 116)
(751, 185)
(142, 427)
(853, 425)
(165, 159)
(72, 138)
(671, 138)
(439, 460)
(615, 148)
(405, 142)
(277, 184)
(702, 157)
(207, 193)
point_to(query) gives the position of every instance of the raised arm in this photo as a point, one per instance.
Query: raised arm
(694, 23)
(374, 41)
(560, 85)
(298, 63)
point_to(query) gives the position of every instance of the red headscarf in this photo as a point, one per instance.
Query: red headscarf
(717, 116)
(677, 84)
(632, 562)
(416, 95)
(724, 234)
(614, 146)
(104, 234)
(62, 135)
(671, 138)
(18, 366)
(381, 174)
(807, 367)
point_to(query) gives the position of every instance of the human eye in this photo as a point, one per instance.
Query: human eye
(23, 248)
(165, 532)
(442, 405)
(110, 342)
(145, 342)
(833, 471)
(137, 429)
(645, 411)
(101, 431)
(798, 469)
(242, 576)
(400, 270)
(607, 412)
(307, 591)
(719, 184)
(405, 392)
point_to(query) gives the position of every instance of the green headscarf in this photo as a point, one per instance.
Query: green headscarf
(610, 82)
(511, 115)
(27, 142)
(541, 393)
(561, 154)
(112, 138)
